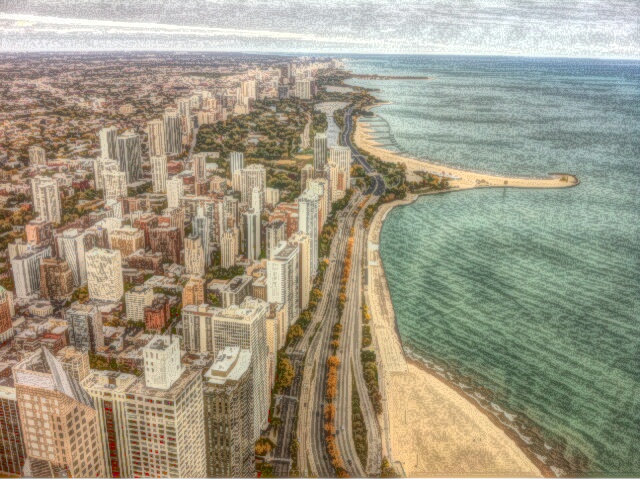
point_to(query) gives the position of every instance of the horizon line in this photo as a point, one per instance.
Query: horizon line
(320, 54)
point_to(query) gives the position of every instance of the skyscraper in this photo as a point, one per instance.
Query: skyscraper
(319, 151)
(130, 156)
(308, 205)
(276, 232)
(283, 280)
(12, 451)
(73, 245)
(209, 329)
(159, 173)
(59, 422)
(201, 227)
(252, 234)
(172, 131)
(341, 157)
(194, 255)
(6, 313)
(104, 274)
(257, 199)
(37, 156)
(228, 402)
(250, 89)
(253, 176)
(236, 162)
(157, 142)
(303, 242)
(114, 181)
(85, 327)
(46, 198)
(228, 248)
(109, 143)
(306, 174)
(320, 186)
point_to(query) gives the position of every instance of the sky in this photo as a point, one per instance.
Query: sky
(565, 28)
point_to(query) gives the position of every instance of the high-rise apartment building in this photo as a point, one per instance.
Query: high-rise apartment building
(56, 279)
(193, 292)
(308, 206)
(201, 225)
(321, 187)
(114, 181)
(85, 326)
(75, 362)
(37, 156)
(303, 242)
(283, 281)
(168, 241)
(6, 313)
(319, 151)
(12, 451)
(210, 329)
(130, 156)
(39, 232)
(246, 179)
(250, 89)
(306, 174)
(159, 173)
(229, 248)
(276, 232)
(26, 270)
(157, 142)
(341, 157)
(59, 422)
(236, 161)
(194, 255)
(104, 274)
(73, 245)
(46, 198)
(228, 402)
(175, 191)
(172, 131)
(304, 89)
(136, 299)
(109, 143)
(252, 234)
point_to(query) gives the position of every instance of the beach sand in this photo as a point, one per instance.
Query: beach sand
(428, 427)
(466, 179)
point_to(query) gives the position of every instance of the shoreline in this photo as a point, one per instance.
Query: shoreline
(455, 416)
(389, 349)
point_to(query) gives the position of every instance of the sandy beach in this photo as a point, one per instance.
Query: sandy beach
(463, 179)
(430, 428)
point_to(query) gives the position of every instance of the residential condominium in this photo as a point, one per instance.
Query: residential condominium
(136, 300)
(46, 198)
(193, 291)
(252, 234)
(276, 232)
(109, 142)
(155, 132)
(303, 242)
(159, 173)
(130, 156)
(319, 151)
(283, 279)
(6, 313)
(56, 279)
(73, 245)
(127, 240)
(59, 422)
(172, 131)
(308, 205)
(175, 191)
(228, 401)
(236, 162)
(104, 274)
(12, 451)
(37, 156)
(210, 329)
(114, 181)
(194, 256)
(246, 179)
(229, 248)
(85, 326)
(26, 270)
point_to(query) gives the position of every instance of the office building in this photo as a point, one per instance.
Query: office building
(46, 198)
(303, 242)
(56, 279)
(59, 422)
(157, 142)
(136, 300)
(73, 245)
(283, 281)
(172, 131)
(308, 206)
(127, 240)
(109, 143)
(175, 191)
(210, 329)
(37, 156)
(194, 255)
(159, 173)
(130, 156)
(26, 270)
(104, 274)
(252, 234)
(228, 402)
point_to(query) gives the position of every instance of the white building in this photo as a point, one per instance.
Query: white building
(104, 274)
(37, 156)
(256, 199)
(308, 205)
(304, 89)
(26, 270)
(276, 232)
(272, 196)
(236, 161)
(46, 198)
(136, 300)
(175, 191)
(157, 142)
(319, 151)
(159, 173)
(246, 179)
(228, 248)
(162, 365)
(172, 131)
(252, 234)
(303, 242)
(283, 280)
(114, 181)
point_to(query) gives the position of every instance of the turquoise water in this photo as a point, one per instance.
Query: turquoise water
(534, 295)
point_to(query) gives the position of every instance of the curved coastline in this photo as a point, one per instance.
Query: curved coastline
(409, 385)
